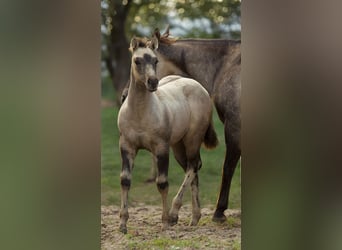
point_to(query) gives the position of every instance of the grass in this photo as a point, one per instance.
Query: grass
(174, 242)
(209, 175)
(164, 243)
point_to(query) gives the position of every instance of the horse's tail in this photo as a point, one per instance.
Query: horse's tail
(210, 137)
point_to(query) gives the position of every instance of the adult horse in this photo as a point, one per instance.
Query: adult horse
(176, 114)
(216, 64)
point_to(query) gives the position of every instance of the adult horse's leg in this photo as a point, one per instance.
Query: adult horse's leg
(233, 153)
(127, 157)
(162, 161)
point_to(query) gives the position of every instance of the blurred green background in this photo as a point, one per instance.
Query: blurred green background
(120, 21)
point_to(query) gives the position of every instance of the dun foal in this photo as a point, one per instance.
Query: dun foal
(177, 114)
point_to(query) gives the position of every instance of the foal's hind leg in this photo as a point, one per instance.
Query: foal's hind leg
(233, 153)
(177, 200)
(180, 155)
(190, 167)
(196, 210)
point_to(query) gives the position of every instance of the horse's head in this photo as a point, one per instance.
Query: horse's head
(144, 63)
(163, 46)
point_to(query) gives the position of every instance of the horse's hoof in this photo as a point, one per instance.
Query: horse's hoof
(194, 221)
(219, 217)
(123, 229)
(173, 219)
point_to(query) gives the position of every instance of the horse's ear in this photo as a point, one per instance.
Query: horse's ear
(134, 44)
(154, 43)
(156, 33)
(167, 31)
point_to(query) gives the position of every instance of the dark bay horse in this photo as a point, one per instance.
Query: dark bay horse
(216, 64)
(174, 112)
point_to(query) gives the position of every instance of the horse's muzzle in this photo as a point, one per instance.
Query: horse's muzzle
(152, 84)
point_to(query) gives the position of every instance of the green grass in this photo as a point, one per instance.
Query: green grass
(140, 192)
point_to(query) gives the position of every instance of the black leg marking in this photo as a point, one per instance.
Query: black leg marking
(125, 160)
(163, 164)
(163, 185)
(126, 182)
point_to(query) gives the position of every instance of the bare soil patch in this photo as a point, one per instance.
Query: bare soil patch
(144, 230)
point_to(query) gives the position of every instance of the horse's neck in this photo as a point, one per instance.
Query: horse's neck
(138, 98)
(200, 59)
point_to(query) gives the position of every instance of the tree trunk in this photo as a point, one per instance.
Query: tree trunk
(118, 61)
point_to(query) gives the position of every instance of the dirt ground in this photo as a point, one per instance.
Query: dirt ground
(144, 230)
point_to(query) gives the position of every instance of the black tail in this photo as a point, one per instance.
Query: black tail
(210, 138)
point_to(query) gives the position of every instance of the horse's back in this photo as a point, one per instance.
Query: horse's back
(182, 86)
(168, 79)
(188, 101)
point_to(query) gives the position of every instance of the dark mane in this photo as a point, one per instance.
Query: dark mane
(167, 40)
(165, 37)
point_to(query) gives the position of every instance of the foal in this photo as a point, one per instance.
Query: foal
(177, 114)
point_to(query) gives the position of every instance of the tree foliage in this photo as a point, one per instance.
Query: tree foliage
(218, 17)
(121, 19)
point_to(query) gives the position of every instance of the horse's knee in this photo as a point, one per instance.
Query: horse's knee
(125, 179)
(162, 185)
(162, 181)
(162, 162)
(125, 183)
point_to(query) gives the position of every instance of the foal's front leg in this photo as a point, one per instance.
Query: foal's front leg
(162, 160)
(127, 157)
